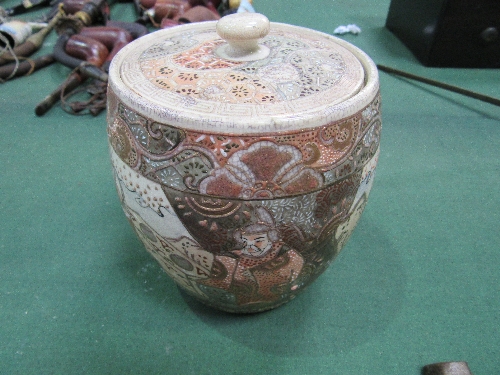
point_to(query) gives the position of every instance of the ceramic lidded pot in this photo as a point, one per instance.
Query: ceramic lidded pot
(243, 153)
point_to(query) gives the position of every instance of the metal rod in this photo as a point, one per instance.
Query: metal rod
(442, 85)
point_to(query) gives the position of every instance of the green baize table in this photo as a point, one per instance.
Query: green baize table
(418, 283)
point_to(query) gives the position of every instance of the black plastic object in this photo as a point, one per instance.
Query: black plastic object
(449, 33)
(446, 368)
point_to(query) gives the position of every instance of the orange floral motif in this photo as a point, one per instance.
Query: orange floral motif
(220, 145)
(263, 171)
(203, 58)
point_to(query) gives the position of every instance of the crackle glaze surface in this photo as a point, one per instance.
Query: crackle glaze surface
(242, 220)
(295, 70)
(308, 79)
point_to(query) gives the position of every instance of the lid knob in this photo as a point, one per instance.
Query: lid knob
(242, 32)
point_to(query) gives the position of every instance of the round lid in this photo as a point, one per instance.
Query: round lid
(243, 73)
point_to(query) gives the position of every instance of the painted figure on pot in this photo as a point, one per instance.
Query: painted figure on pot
(260, 267)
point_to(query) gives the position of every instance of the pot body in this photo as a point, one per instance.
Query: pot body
(243, 217)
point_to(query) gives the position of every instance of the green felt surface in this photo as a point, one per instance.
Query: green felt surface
(419, 281)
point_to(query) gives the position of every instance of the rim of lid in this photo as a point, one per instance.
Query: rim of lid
(131, 87)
